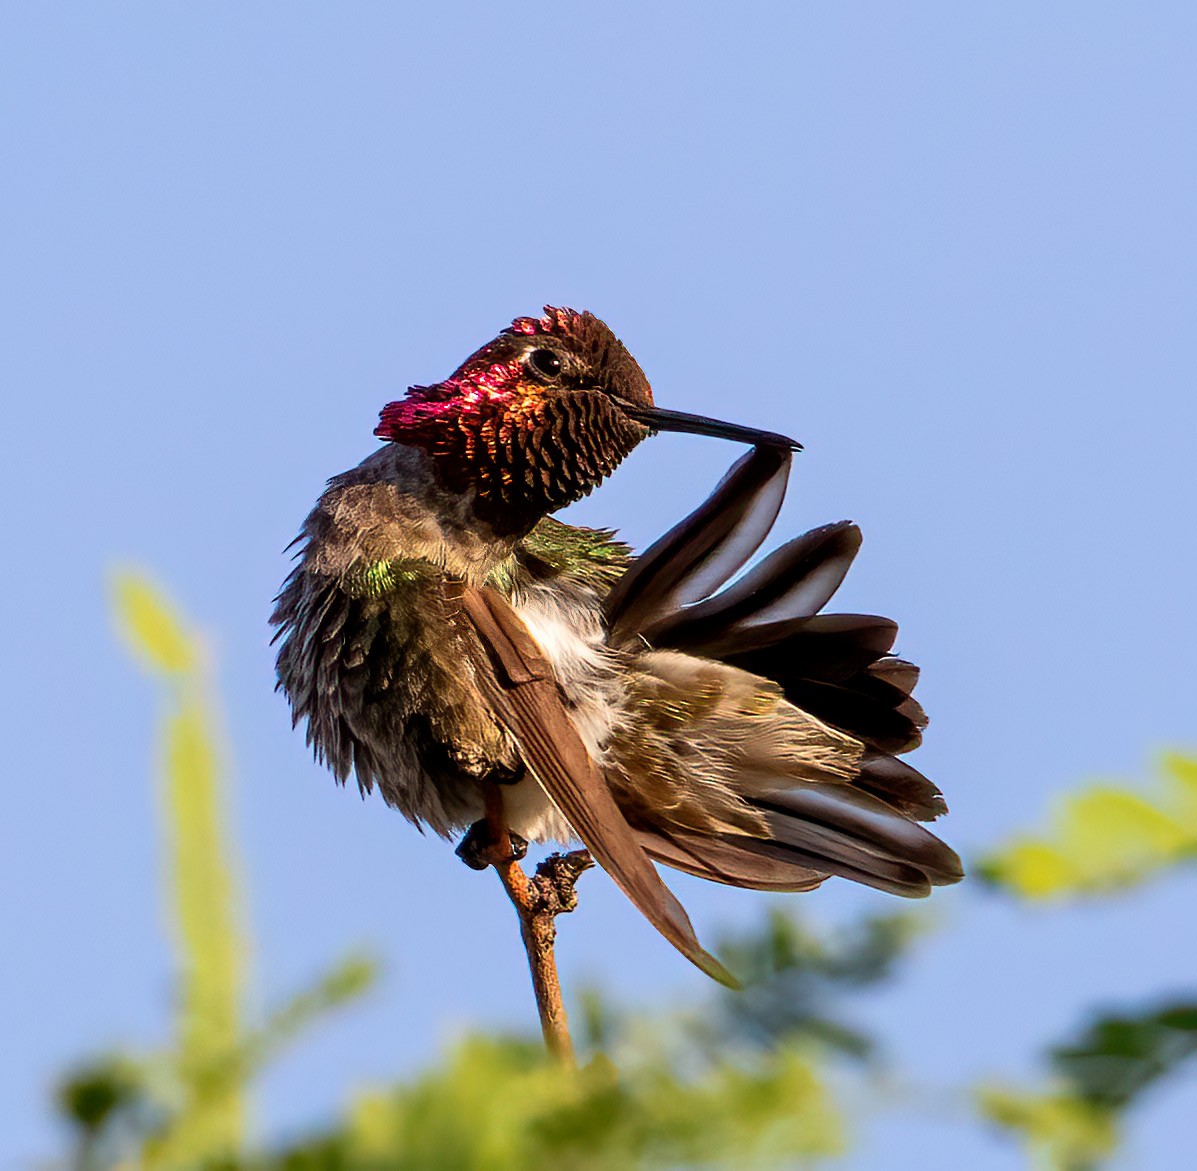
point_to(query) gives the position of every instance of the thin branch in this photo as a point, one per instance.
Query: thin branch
(538, 901)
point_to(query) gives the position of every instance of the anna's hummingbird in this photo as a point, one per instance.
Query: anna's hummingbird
(446, 639)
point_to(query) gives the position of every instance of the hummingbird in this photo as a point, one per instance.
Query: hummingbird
(446, 639)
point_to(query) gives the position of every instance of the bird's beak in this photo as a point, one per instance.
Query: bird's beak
(660, 420)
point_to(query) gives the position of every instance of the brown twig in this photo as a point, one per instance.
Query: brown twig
(538, 901)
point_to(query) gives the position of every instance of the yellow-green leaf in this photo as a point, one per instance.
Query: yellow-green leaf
(151, 626)
(206, 915)
(1033, 869)
(1103, 837)
(1061, 1132)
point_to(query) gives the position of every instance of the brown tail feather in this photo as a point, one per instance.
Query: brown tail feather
(900, 785)
(863, 827)
(815, 831)
(732, 859)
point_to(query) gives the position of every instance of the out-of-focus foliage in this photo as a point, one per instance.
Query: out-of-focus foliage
(492, 1104)
(735, 1083)
(341, 984)
(1118, 1056)
(152, 627)
(143, 1110)
(1096, 1078)
(793, 978)
(205, 910)
(186, 1106)
(1061, 1132)
(1104, 838)
(500, 1105)
(1101, 839)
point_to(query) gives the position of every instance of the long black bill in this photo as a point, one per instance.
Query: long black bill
(661, 420)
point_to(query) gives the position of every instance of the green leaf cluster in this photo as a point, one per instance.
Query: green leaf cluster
(1120, 1055)
(500, 1105)
(1096, 1078)
(1101, 839)
(1104, 838)
(1061, 1131)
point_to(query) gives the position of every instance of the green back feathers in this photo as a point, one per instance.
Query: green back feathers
(373, 579)
(590, 557)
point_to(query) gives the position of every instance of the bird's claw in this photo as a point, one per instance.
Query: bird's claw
(479, 849)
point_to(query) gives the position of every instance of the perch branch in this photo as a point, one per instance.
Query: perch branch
(538, 901)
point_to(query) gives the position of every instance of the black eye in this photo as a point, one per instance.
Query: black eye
(543, 363)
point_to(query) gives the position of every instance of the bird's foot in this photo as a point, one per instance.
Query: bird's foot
(552, 886)
(480, 848)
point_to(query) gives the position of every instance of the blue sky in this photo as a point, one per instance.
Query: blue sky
(949, 247)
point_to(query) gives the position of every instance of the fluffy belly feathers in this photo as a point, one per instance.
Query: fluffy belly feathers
(567, 628)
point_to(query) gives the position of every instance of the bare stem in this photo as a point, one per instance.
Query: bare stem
(538, 931)
(538, 901)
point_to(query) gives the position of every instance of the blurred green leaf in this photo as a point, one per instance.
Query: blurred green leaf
(1061, 1132)
(1104, 838)
(91, 1095)
(793, 977)
(500, 1105)
(205, 1088)
(1117, 1057)
(1097, 1077)
(151, 626)
(206, 908)
(1180, 775)
(347, 980)
(186, 1107)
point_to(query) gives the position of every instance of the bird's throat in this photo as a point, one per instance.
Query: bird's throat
(525, 459)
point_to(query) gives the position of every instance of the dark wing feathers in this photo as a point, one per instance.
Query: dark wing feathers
(864, 707)
(837, 667)
(896, 672)
(732, 859)
(700, 553)
(519, 685)
(793, 582)
(830, 647)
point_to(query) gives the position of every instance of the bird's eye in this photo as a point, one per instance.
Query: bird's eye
(543, 363)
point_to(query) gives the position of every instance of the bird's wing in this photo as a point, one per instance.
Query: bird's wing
(704, 549)
(520, 687)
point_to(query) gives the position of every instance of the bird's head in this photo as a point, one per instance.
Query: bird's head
(539, 416)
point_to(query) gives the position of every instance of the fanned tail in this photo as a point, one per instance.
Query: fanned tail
(851, 811)
(815, 830)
